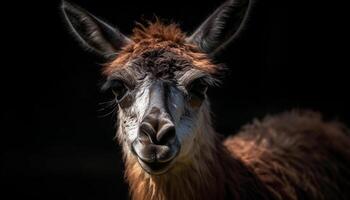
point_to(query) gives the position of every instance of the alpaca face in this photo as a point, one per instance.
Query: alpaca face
(159, 77)
(159, 95)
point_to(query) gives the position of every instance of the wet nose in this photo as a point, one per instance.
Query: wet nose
(157, 128)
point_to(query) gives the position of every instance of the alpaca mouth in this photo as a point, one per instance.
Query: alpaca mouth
(155, 159)
(155, 168)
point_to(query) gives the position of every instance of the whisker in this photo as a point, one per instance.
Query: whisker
(107, 102)
(111, 110)
(108, 108)
(106, 105)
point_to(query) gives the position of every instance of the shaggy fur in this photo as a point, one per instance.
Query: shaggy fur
(297, 155)
(160, 37)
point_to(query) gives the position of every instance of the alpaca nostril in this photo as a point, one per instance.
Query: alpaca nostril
(152, 118)
(166, 134)
(147, 133)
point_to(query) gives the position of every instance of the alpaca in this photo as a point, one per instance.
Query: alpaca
(159, 76)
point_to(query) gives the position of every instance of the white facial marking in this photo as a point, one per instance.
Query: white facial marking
(135, 113)
(185, 124)
(176, 104)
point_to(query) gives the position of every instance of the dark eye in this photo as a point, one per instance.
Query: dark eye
(197, 89)
(119, 89)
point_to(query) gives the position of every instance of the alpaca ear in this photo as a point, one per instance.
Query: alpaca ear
(93, 33)
(221, 27)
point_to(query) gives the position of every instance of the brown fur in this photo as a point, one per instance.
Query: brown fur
(160, 36)
(297, 155)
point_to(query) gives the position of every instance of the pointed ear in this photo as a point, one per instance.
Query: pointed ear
(93, 33)
(221, 27)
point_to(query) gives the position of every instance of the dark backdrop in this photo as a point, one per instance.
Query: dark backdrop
(57, 145)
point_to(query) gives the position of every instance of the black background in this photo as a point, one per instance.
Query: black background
(57, 145)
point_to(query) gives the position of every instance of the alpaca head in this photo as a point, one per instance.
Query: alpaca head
(159, 76)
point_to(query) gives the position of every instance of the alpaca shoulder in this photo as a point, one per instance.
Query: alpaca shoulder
(297, 154)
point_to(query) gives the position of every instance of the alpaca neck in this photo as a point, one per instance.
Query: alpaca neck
(200, 178)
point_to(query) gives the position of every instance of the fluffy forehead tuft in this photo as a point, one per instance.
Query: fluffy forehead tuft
(158, 39)
(158, 31)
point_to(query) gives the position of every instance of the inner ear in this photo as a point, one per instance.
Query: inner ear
(93, 33)
(221, 27)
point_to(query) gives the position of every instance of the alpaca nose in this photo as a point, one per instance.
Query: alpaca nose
(157, 128)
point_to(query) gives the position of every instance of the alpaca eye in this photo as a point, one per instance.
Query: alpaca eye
(197, 89)
(119, 89)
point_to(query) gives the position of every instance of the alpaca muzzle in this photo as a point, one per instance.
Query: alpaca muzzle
(156, 145)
